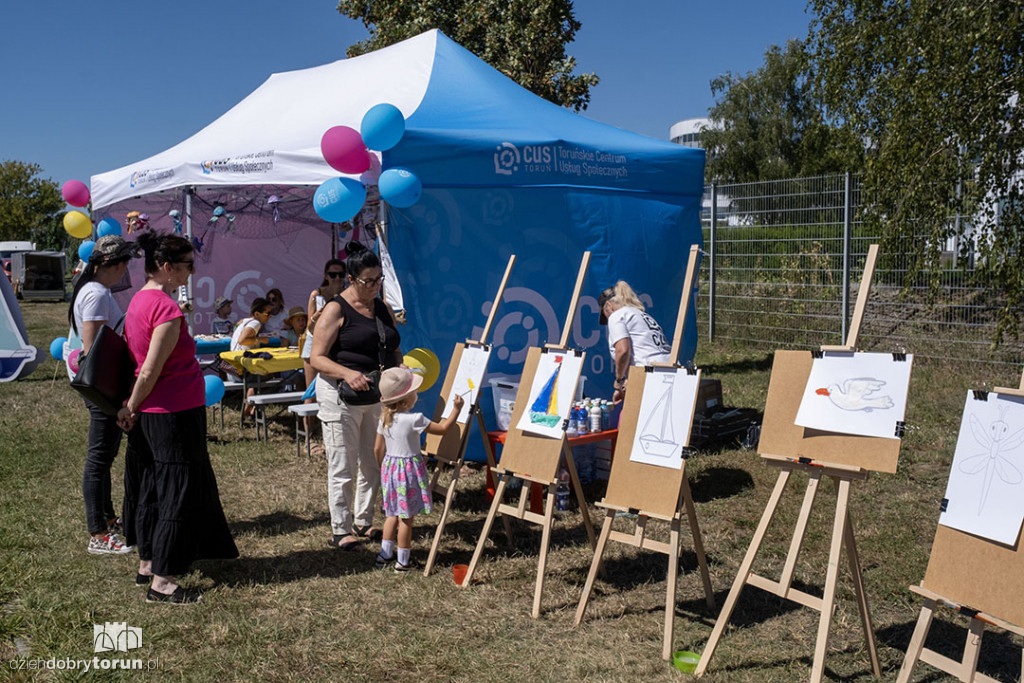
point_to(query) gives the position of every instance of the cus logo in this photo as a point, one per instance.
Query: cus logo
(506, 159)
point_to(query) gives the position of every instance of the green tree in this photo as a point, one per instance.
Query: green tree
(935, 87)
(524, 39)
(769, 124)
(31, 208)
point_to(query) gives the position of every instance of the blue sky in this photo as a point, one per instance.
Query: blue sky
(91, 86)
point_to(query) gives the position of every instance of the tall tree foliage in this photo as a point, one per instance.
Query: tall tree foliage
(31, 208)
(524, 39)
(769, 124)
(935, 87)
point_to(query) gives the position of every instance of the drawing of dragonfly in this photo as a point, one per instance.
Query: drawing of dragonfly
(994, 461)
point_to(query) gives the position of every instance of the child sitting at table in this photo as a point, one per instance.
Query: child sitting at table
(294, 325)
(222, 324)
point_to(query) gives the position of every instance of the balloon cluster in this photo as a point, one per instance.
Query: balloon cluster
(339, 199)
(76, 223)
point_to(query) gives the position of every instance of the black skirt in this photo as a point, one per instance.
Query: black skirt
(175, 515)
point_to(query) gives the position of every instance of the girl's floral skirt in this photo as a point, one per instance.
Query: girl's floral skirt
(405, 486)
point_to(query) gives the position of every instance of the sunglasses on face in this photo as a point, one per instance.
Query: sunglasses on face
(191, 264)
(335, 274)
(371, 282)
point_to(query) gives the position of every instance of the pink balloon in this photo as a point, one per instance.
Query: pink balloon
(75, 193)
(73, 358)
(343, 148)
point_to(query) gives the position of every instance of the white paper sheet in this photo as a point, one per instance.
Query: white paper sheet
(468, 378)
(666, 416)
(985, 490)
(562, 371)
(856, 393)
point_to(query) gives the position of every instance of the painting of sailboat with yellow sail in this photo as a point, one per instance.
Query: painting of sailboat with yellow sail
(554, 385)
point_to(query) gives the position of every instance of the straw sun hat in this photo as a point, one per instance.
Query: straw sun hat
(295, 312)
(398, 383)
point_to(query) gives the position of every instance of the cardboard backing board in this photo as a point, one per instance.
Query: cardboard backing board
(781, 437)
(446, 447)
(637, 485)
(977, 573)
(528, 454)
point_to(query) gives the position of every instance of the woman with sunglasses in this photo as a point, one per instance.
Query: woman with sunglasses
(93, 306)
(332, 285)
(347, 346)
(177, 513)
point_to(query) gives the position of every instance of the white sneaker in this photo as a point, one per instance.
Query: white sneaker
(108, 544)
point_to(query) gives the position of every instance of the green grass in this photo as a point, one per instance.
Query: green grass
(292, 609)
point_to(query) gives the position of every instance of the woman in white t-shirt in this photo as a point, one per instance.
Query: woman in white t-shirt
(634, 337)
(93, 306)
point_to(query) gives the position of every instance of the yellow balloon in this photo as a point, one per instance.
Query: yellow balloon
(77, 224)
(425, 364)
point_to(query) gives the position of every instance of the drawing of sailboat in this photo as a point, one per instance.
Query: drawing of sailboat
(544, 410)
(658, 437)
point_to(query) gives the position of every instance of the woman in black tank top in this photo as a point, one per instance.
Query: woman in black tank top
(346, 346)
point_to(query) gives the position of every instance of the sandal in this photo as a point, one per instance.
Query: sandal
(368, 532)
(336, 542)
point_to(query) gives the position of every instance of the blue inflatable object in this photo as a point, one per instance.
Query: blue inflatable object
(400, 187)
(382, 127)
(108, 226)
(339, 199)
(310, 392)
(85, 249)
(57, 348)
(214, 389)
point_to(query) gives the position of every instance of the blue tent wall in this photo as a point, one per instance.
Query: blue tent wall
(507, 172)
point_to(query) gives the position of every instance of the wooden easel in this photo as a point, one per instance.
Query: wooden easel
(844, 459)
(976, 577)
(449, 450)
(649, 491)
(536, 459)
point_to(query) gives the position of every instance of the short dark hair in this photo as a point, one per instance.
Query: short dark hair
(159, 249)
(258, 304)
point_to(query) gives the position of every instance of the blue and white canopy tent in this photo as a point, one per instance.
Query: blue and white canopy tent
(503, 172)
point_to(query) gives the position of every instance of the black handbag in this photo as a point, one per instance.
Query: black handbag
(107, 373)
(370, 395)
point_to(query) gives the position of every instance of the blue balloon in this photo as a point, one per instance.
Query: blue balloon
(214, 389)
(400, 187)
(339, 199)
(108, 226)
(85, 249)
(382, 127)
(57, 348)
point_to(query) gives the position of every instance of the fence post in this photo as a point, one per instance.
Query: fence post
(711, 262)
(847, 239)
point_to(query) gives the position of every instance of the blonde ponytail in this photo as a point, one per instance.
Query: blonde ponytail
(625, 296)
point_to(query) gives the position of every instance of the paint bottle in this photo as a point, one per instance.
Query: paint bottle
(562, 492)
(606, 415)
(572, 429)
(595, 416)
(584, 420)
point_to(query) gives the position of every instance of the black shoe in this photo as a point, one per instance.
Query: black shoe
(143, 579)
(180, 596)
(381, 562)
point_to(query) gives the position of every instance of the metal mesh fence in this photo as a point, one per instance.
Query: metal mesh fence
(786, 258)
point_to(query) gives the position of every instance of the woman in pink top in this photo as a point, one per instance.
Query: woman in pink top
(177, 511)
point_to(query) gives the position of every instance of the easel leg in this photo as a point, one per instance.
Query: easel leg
(439, 531)
(698, 545)
(800, 530)
(972, 650)
(924, 623)
(499, 493)
(741, 575)
(831, 578)
(545, 541)
(492, 462)
(588, 587)
(862, 598)
(670, 590)
(570, 463)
